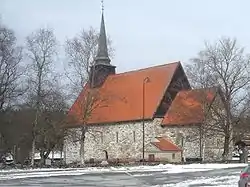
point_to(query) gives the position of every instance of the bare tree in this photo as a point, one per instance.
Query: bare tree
(240, 121)
(11, 86)
(81, 51)
(212, 113)
(11, 70)
(223, 64)
(205, 103)
(41, 50)
(87, 104)
(50, 134)
(49, 131)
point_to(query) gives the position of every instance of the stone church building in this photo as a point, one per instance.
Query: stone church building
(150, 114)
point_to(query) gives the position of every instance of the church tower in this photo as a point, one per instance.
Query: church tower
(101, 68)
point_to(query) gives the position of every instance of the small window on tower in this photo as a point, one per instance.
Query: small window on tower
(134, 135)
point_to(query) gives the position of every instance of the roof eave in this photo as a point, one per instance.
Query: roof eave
(109, 123)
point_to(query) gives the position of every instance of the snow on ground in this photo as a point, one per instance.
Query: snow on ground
(160, 167)
(225, 181)
(52, 155)
(221, 181)
(168, 168)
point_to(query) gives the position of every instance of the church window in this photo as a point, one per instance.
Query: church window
(151, 157)
(173, 155)
(75, 138)
(188, 138)
(101, 137)
(218, 142)
(117, 138)
(134, 136)
(182, 141)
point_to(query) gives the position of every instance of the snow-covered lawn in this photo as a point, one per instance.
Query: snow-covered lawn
(168, 168)
(225, 181)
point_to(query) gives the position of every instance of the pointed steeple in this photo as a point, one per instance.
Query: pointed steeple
(102, 56)
(101, 68)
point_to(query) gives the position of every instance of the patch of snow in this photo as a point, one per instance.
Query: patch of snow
(225, 181)
(201, 167)
(141, 175)
(213, 166)
(104, 163)
(40, 174)
(9, 157)
(52, 155)
(168, 168)
(34, 170)
(235, 158)
(181, 170)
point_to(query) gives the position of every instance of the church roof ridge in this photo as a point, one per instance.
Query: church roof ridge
(147, 68)
(121, 94)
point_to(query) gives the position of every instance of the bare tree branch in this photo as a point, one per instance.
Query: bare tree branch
(11, 70)
(223, 64)
(41, 50)
(81, 51)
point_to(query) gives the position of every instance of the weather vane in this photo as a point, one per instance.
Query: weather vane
(102, 5)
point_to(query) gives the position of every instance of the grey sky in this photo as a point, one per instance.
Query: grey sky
(144, 32)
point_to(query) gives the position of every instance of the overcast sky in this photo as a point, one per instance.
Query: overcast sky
(144, 32)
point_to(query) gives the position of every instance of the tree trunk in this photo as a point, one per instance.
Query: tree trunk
(225, 154)
(83, 135)
(203, 148)
(183, 156)
(15, 154)
(33, 148)
(52, 156)
(228, 135)
(228, 129)
(44, 155)
(202, 143)
(42, 160)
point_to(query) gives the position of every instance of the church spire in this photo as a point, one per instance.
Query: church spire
(101, 68)
(102, 56)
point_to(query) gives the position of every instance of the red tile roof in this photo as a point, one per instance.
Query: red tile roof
(120, 97)
(188, 107)
(165, 145)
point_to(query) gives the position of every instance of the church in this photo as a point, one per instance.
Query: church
(149, 114)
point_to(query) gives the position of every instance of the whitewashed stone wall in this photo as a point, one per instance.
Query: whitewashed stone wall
(72, 147)
(188, 138)
(183, 137)
(129, 144)
(120, 140)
